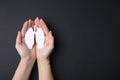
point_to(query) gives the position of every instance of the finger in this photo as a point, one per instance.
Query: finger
(24, 28)
(37, 22)
(51, 35)
(52, 39)
(29, 23)
(44, 26)
(18, 38)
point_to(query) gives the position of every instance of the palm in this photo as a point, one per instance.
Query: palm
(25, 52)
(47, 48)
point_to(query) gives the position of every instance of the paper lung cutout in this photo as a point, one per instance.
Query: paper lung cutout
(39, 38)
(29, 38)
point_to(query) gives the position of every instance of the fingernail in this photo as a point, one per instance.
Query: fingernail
(37, 18)
(29, 19)
(41, 19)
(50, 32)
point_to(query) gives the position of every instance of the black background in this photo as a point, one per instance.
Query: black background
(87, 37)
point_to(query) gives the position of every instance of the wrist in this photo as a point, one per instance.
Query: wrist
(28, 60)
(43, 60)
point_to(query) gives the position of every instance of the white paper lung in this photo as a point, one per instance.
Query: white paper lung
(40, 38)
(29, 38)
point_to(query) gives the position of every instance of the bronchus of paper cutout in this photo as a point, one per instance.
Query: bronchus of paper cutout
(36, 34)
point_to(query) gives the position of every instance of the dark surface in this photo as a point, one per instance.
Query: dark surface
(87, 37)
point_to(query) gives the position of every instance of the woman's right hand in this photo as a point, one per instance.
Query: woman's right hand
(24, 52)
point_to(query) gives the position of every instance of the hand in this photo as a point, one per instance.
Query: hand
(23, 50)
(45, 52)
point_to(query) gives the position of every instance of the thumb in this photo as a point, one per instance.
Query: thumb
(18, 38)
